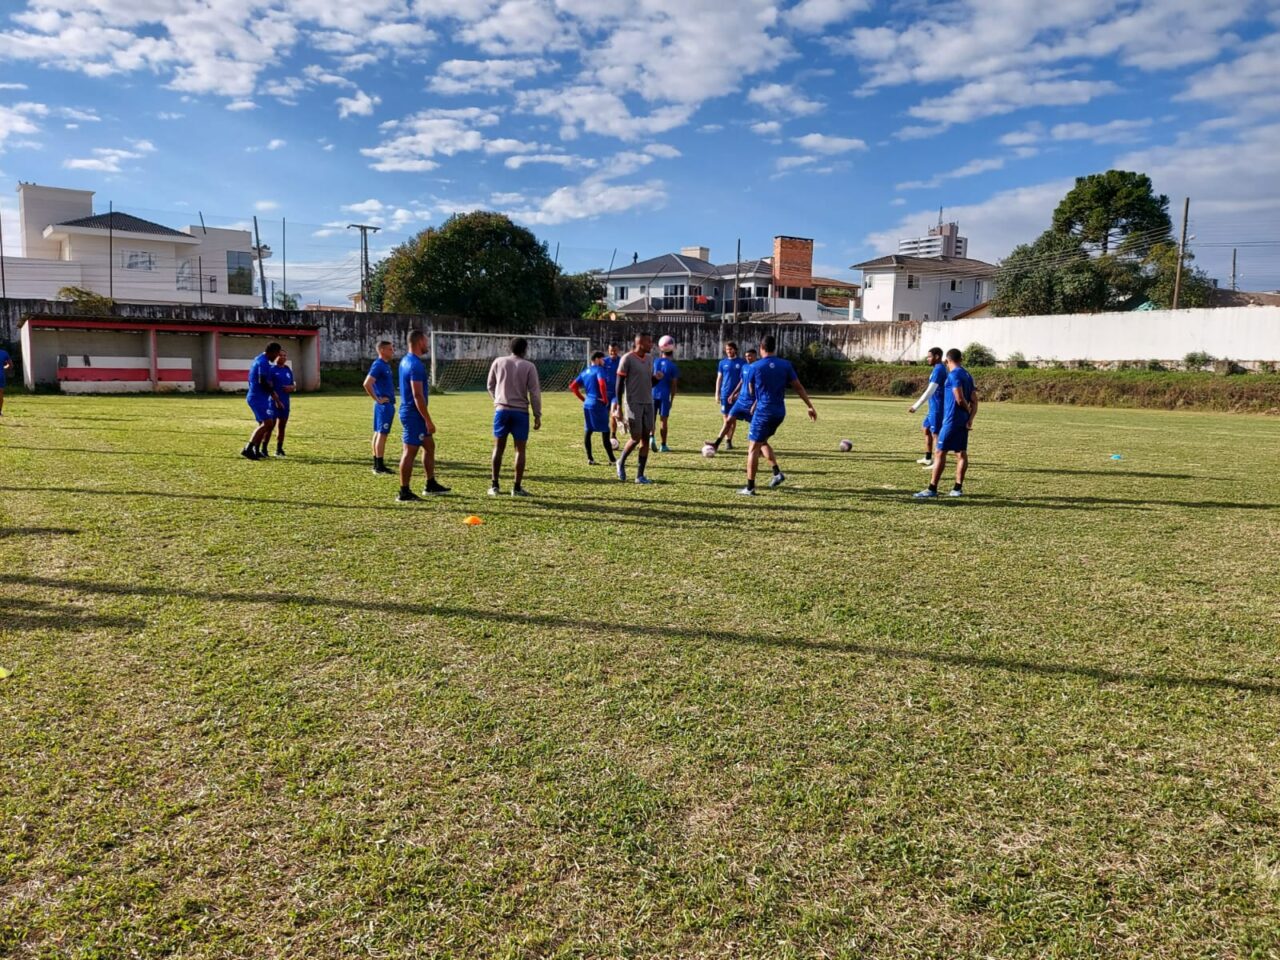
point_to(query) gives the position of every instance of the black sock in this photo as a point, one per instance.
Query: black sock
(608, 447)
(403, 489)
(933, 487)
(586, 442)
(751, 483)
(644, 458)
(626, 452)
(957, 486)
(776, 469)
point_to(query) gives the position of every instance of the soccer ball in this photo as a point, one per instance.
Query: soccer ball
(666, 343)
(708, 450)
(846, 446)
(613, 442)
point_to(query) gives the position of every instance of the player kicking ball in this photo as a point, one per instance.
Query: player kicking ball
(591, 388)
(739, 403)
(261, 398)
(514, 387)
(636, 378)
(932, 395)
(728, 377)
(280, 411)
(380, 385)
(664, 391)
(419, 429)
(767, 383)
(960, 406)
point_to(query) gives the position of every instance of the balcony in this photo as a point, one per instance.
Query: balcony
(205, 284)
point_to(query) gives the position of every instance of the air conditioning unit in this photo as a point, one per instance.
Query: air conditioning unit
(946, 306)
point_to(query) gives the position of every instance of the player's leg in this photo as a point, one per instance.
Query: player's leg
(766, 448)
(429, 466)
(495, 463)
(1, 401)
(522, 447)
(608, 447)
(962, 467)
(730, 427)
(264, 434)
(753, 462)
(927, 459)
(939, 464)
(407, 456)
(647, 418)
(281, 423)
(633, 441)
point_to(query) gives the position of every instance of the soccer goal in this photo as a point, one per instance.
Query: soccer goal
(460, 361)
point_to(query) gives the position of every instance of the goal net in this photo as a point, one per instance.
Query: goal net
(460, 361)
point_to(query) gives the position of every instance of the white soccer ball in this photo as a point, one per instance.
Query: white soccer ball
(613, 442)
(666, 343)
(708, 450)
(846, 446)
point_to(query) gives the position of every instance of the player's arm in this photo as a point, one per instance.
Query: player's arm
(973, 409)
(268, 383)
(803, 394)
(719, 383)
(621, 385)
(576, 389)
(958, 395)
(492, 383)
(420, 401)
(535, 397)
(603, 388)
(368, 388)
(929, 391)
(675, 381)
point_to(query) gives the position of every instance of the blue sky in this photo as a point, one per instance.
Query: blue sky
(646, 125)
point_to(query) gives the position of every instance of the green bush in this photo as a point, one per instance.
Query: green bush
(901, 388)
(1197, 360)
(976, 355)
(1018, 361)
(1155, 366)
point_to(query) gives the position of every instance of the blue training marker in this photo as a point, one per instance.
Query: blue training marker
(1116, 456)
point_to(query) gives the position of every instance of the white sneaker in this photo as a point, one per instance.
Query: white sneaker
(747, 492)
(777, 480)
(494, 492)
(953, 492)
(925, 461)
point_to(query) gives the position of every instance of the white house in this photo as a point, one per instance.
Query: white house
(65, 244)
(899, 287)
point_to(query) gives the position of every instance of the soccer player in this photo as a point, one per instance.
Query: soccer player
(280, 411)
(728, 377)
(960, 406)
(415, 419)
(770, 376)
(636, 378)
(514, 386)
(610, 367)
(933, 396)
(664, 390)
(592, 389)
(380, 385)
(740, 402)
(261, 397)
(6, 364)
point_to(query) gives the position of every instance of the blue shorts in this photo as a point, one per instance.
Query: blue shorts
(415, 431)
(384, 415)
(739, 412)
(930, 423)
(662, 406)
(511, 423)
(262, 407)
(764, 426)
(953, 438)
(277, 412)
(596, 418)
(725, 406)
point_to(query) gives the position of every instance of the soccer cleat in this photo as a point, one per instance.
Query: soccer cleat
(664, 449)
(494, 492)
(776, 479)
(728, 444)
(407, 496)
(279, 451)
(381, 468)
(249, 453)
(591, 463)
(955, 492)
(925, 494)
(521, 492)
(747, 492)
(622, 471)
(643, 479)
(925, 461)
(434, 488)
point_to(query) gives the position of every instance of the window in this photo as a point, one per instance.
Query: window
(642, 289)
(904, 316)
(913, 282)
(869, 281)
(240, 272)
(139, 260)
(620, 294)
(695, 291)
(957, 284)
(673, 290)
(809, 293)
(762, 292)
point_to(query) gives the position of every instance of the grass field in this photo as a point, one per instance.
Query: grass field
(260, 710)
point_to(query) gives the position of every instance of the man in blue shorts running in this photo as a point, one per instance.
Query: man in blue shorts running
(728, 379)
(590, 387)
(380, 385)
(932, 395)
(262, 394)
(514, 386)
(960, 406)
(419, 429)
(767, 383)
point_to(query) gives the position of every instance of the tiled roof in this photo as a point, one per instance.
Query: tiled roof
(669, 264)
(748, 268)
(946, 266)
(124, 222)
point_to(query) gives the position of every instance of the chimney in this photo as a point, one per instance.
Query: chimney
(698, 253)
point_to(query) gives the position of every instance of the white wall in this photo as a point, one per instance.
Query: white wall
(1235, 333)
(41, 206)
(888, 295)
(211, 258)
(39, 279)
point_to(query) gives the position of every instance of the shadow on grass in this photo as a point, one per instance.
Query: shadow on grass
(1073, 503)
(885, 651)
(21, 614)
(1119, 472)
(6, 532)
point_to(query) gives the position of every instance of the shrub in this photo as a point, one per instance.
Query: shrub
(1085, 365)
(901, 388)
(1018, 360)
(1155, 366)
(1266, 366)
(86, 302)
(1197, 360)
(976, 355)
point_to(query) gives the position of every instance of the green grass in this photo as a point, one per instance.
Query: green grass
(260, 710)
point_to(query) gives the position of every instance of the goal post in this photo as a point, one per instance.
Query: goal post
(460, 361)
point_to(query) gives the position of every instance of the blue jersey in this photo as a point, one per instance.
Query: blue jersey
(283, 378)
(4, 358)
(769, 379)
(730, 370)
(412, 370)
(610, 367)
(937, 375)
(744, 399)
(589, 379)
(261, 379)
(952, 414)
(667, 367)
(384, 383)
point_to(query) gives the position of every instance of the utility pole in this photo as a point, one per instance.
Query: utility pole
(111, 250)
(1182, 252)
(1233, 269)
(284, 257)
(262, 273)
(737, 283)
(364, 229)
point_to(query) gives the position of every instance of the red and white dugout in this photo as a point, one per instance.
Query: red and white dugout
(100, 355)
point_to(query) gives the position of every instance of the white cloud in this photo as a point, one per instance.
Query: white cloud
(1113, 131)
(360, 104)
(592, 198)
(791, 163)
(169, 115)
(275, 144)
(553, 159)
(1249, 84)
(416, 140)
(242, 105)
(597, 110)
(815, 15)
(266, 206)
(510, 145)
(662, 150)
(109, 159)
(784, 99)
(970, 169)
(17, 120)
(13, 86)
(455, 77)
(824, 143)
(767, 128)
(365, 208)
(1005, 92)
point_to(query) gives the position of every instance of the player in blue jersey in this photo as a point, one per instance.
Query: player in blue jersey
(932, 396)
(767, 384)
(262, 394)
(6, 364)
(664, 390)
(959, 407)
(415, 419)
(610, 367)
(380, 385)
(728, 379)
(592, 388)
(741, 402)
(280, 409)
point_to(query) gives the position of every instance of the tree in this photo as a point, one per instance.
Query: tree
(480, 266)
(86, 302)
(1162, 266)
(1116, 209)
(378, 285)
(286, 301)
(1053, 275)
(578, 293)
